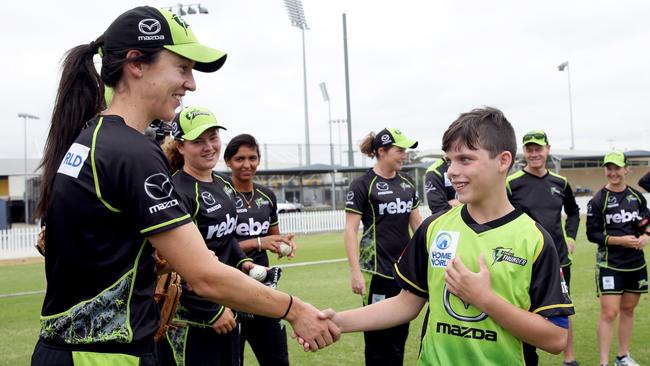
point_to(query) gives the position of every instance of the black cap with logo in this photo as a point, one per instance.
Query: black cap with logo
(148, 27)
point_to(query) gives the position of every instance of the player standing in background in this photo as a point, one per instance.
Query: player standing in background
(440, 193)
(206, 333)
(386, 201)
(617, 220)
(542, 194)
(257, 232)
(515, 302)
(644, 182)
(108, 201)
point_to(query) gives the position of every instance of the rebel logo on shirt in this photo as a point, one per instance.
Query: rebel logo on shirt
(252, 228)
(158, 186)
(396, 207)
(223, 228)
(622, 217)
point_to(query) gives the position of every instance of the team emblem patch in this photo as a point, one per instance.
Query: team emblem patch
(554, 190)
(349, 196)
(501, 254)
(443, 248)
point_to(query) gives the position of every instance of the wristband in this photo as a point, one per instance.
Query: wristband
(288, 307)
(259, 244)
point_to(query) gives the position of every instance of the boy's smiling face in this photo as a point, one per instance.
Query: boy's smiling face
(473, 174)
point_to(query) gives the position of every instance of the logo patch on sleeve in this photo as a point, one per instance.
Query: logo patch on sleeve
(74, 160)
(443, 248)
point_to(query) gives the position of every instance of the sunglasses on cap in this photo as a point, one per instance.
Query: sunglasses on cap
(535, 136)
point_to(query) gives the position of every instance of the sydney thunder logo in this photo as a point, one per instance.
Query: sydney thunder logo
(501, 254)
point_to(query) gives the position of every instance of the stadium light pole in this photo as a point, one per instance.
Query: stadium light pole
(326, 98)
(25, 117)
(297, 18)
(561, 67)
(347, 91)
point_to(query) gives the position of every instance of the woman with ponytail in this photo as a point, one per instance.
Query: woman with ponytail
(108, 201)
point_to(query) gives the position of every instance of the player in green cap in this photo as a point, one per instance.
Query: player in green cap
(107, 200)
(617, 220)
(542, 194)
(490, 273)
(204, 332)
(385, 201)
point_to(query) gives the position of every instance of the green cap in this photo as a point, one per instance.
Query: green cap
(191, 122)
(537, 137)
(392, 136)
(148, 27)
(615, 157)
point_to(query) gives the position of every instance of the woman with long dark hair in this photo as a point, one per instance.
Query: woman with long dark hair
(258, 231)
(108, 201)
(386, 201)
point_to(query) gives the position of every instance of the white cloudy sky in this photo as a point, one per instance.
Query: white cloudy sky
(414, 65)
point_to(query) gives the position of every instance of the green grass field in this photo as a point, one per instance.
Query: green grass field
(324, 285)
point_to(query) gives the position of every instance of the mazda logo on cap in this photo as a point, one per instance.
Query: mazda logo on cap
(158, 186)
(149, 26)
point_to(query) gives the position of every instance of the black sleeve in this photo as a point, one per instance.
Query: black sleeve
(411, 268)
(436, 194)
(357, 197)
(572, 211)
(644, 182)
(595, 224)
(143, 185)
(273, 219)
(548, 292)
(236, 256)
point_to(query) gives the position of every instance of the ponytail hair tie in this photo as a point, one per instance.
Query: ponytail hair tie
(95, 48)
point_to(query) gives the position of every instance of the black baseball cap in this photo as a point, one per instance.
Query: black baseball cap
(149, 27)
(392, 136)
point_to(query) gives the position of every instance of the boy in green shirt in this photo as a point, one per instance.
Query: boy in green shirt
(490, 274)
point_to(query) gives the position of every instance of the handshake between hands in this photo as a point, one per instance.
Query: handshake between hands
(313, 329)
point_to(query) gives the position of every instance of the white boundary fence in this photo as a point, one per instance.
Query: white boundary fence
(19, 242)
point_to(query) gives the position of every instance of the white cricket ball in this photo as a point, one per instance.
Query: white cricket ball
(258, 273)
(285, 249)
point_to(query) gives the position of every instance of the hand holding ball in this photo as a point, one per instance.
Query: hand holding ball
(285, 249)
(258, 273)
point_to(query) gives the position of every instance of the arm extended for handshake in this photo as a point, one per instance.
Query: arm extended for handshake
(186, 252)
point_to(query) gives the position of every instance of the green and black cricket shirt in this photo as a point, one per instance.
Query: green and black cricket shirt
(212, 207)
(254, 221)
(543, 198)
(616, 214)
(113, 189)
(524, 270)
(438, 187)
(385, 207)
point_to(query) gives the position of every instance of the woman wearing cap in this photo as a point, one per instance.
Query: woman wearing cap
(617, 220)
(543, 194)
(207, 334)
(386, 201)
(258, 232)
(108, 200)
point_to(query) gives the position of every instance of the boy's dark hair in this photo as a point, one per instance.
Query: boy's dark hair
(241, 140)
(485, 128)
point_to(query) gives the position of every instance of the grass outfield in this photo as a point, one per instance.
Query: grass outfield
(325, 285)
